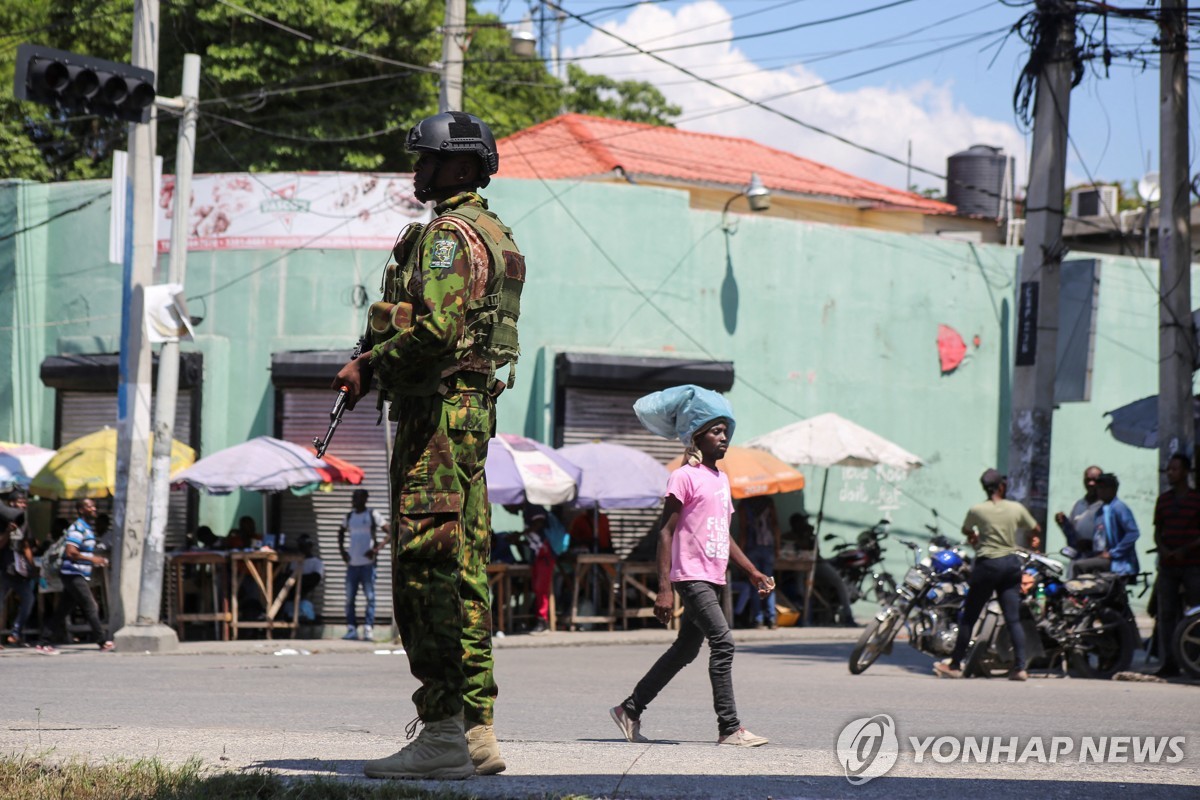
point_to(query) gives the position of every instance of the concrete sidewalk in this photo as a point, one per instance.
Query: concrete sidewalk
(656, 636)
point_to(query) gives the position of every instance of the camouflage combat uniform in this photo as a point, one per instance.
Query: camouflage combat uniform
(431, 364)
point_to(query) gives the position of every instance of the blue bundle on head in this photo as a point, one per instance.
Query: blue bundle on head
(681, 411)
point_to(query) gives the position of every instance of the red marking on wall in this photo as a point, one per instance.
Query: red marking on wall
(951, 348)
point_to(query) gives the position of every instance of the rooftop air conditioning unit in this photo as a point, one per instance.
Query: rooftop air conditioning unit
(1094, 201)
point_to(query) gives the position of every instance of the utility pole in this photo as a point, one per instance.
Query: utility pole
(454, 48)
(1176, 341)
(133, 393)
(1037, 294)
(148, 633)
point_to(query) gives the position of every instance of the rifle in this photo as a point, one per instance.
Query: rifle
(339, 406)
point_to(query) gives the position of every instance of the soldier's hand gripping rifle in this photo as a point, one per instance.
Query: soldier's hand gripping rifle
(339, 406)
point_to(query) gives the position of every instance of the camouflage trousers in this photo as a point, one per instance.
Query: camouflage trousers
(441, 526)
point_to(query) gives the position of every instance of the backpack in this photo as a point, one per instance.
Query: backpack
(53, 558)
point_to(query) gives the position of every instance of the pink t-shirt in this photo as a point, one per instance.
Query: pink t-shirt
(700, 547)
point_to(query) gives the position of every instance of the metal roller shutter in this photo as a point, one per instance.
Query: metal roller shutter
(606, 415)
(304, 413)
(81, 413)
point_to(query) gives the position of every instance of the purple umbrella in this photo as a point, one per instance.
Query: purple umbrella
(520, 469)
(616, 476)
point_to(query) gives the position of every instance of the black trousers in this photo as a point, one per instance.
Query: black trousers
(1178, 589)
(75, 593)
(1001, 576)
(702, 619)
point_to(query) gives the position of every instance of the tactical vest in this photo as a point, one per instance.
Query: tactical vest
(489, 338)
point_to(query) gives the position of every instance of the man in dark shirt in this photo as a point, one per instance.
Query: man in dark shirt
(1177, 536)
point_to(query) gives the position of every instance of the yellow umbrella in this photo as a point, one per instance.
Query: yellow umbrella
(754, 472)
(87, 467)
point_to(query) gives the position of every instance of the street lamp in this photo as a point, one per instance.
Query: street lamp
(758, 195)
(523, 42)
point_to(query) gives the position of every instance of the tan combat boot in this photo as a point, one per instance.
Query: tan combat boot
(439, 753)
(485, 750)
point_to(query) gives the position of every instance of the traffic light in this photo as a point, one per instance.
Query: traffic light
(82, 84)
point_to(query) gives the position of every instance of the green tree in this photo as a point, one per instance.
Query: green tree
(339, 90)
(601, 96)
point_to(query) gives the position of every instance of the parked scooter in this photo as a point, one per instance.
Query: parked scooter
(1085, 624)
(927, 603)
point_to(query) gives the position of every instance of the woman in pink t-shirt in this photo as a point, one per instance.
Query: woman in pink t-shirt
(693, 550)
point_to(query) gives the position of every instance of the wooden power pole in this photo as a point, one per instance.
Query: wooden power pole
(1037, 293)
(1176, 340)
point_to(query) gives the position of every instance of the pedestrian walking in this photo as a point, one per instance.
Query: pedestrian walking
(694, 548)
(991, 528)
(79, 559)
(365, 527)
(447, 322)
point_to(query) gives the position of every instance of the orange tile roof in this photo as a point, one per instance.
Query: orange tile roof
(579, 146)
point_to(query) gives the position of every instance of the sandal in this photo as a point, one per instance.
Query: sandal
(106, 647)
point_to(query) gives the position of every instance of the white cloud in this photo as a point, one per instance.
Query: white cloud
(883, 117)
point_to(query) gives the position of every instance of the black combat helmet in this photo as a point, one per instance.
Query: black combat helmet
(456, 132)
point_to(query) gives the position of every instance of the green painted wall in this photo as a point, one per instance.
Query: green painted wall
(816, 318)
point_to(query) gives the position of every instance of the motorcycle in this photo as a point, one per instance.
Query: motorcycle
(860, 564)
(927, 604)
(1084, 624)
(1186, 642)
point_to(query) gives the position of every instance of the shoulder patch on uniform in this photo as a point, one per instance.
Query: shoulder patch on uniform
(444, 251)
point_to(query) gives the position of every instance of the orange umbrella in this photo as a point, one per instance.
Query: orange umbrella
(338, 470)
(754, 472)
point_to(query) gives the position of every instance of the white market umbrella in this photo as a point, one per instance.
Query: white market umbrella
(20, 462)
(520, 469)
(828, 440)
(263, 464)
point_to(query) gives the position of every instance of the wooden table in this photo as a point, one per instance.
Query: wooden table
(804, 563)
(212, 568)
(606, 568)
(501, 580)
(633, 576)
(259, 566)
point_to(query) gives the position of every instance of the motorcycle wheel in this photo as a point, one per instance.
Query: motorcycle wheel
(983, 658)
(877, 636)
(1106, 645)
(1186, 643)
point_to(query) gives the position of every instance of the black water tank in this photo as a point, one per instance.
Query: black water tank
(975, 180)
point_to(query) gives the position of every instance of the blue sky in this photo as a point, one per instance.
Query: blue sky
(956, 91)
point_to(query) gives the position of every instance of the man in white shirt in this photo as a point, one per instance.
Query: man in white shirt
(364, 525)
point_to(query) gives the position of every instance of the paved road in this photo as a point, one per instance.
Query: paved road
(241, 707)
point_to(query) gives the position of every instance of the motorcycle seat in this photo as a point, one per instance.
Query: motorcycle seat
(1090, 584)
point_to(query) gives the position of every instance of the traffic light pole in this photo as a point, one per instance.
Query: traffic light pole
(133, 394)
(151, 634)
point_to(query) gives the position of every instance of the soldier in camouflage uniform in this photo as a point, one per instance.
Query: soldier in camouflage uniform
(447, 321)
